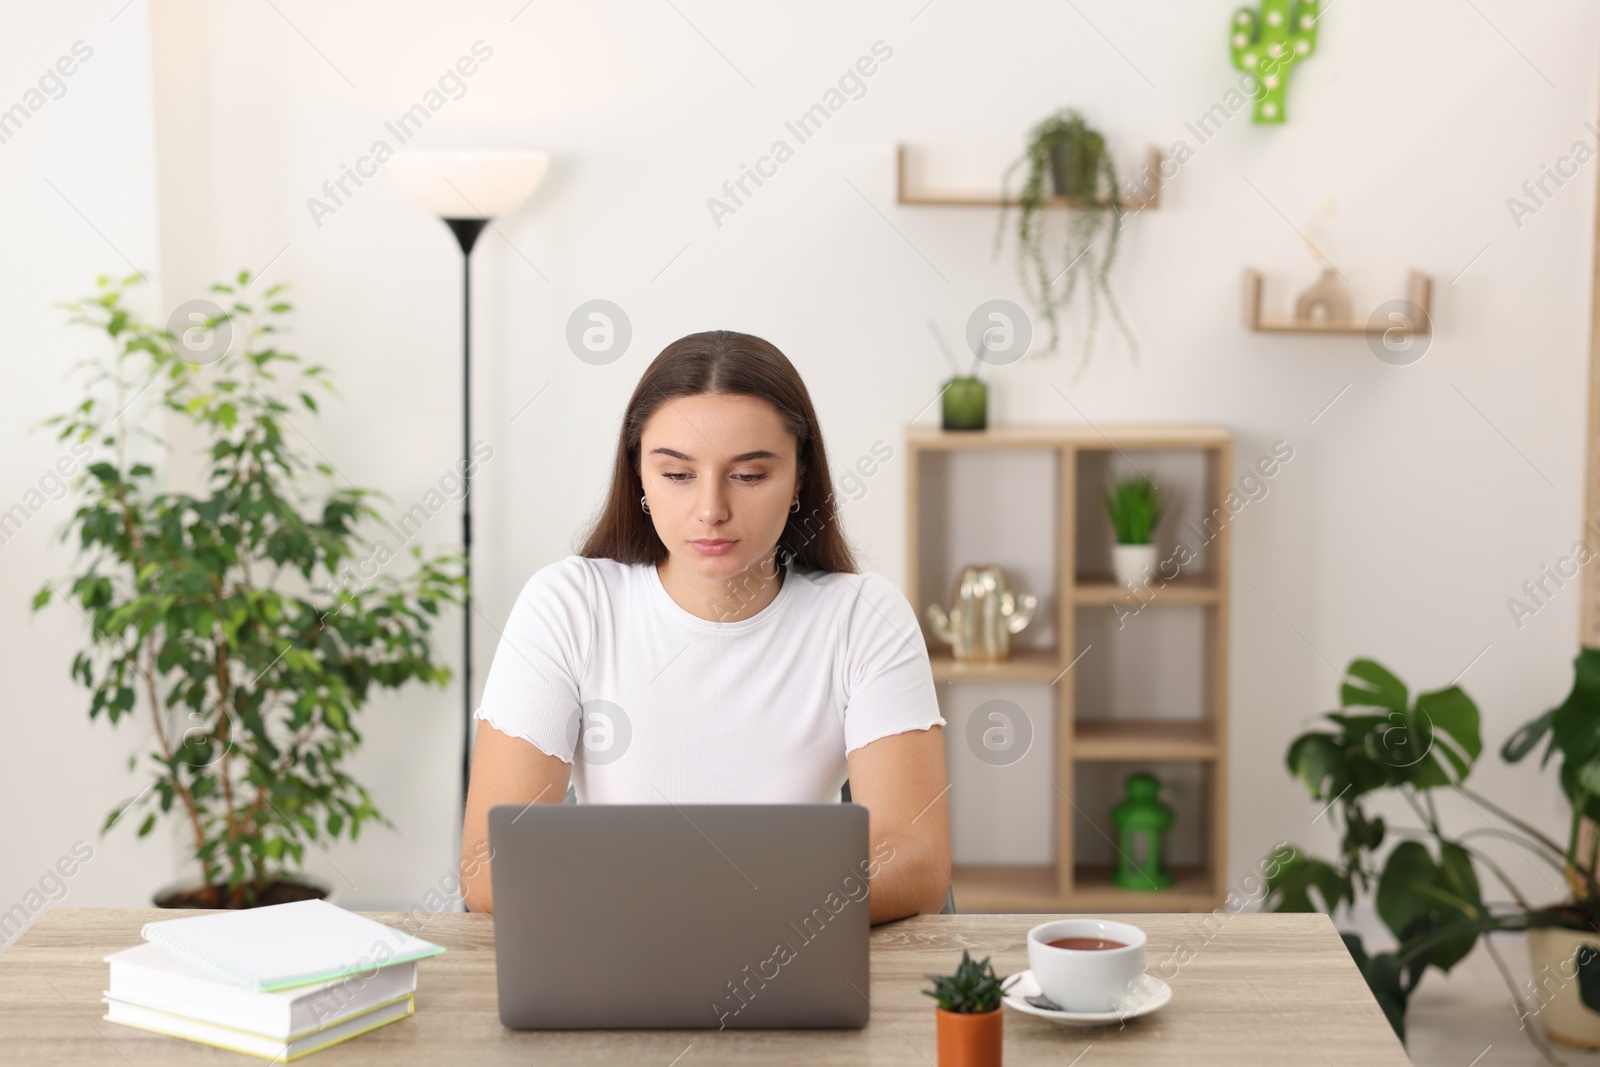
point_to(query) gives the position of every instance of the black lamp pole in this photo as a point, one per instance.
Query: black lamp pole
(466, 231)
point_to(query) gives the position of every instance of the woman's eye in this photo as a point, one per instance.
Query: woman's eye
(747, 479)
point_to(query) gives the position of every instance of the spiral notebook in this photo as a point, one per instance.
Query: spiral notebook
(285, 945)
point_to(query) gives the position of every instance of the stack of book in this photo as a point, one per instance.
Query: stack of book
(277, 982)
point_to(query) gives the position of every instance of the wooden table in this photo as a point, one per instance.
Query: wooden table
(1275, 990)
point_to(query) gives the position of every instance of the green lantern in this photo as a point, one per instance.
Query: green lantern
(1141, 821)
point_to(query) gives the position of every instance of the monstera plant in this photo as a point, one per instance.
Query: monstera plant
(232, 620)
(1428, 890)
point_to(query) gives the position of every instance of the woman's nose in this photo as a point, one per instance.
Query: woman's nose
(712, 504)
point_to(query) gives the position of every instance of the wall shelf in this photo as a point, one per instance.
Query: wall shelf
(1151, 198)
(1078, 453)
(1419, 291)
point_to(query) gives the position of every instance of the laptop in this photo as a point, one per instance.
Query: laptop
(703, 916)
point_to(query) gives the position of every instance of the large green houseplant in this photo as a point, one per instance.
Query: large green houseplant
(231, 619)
(1428, 891)
(1065, 151)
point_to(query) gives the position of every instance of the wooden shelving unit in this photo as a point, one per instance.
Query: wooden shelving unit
(1149, 200)
(1081, 735)
(1419, 292)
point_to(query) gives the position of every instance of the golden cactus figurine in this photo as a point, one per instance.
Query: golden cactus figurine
(983, 615)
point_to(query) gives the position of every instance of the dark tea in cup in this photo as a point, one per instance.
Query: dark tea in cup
(1086, 964)
(1085, 944)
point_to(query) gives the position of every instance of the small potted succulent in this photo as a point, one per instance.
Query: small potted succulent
(1134, 505)
(968, 1015)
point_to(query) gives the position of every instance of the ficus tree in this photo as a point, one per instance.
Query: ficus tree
(229, 618)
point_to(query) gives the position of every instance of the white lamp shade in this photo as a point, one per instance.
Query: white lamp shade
(468, 184)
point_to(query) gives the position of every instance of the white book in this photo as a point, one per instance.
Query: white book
(149, 976)
(172, 1025)
(284, 945)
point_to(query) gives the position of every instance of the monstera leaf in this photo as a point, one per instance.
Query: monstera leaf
(1382, 738)
(1573, 727)
(1374, 687)
(1418, 897)
(1431, 742)
(1390, 983)
(1588, 961)
(1293, 874)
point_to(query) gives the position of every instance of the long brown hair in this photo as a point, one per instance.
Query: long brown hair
(722, 362)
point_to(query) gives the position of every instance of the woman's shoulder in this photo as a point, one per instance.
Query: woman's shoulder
(580, 578)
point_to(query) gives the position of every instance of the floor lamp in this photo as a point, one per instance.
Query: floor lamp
(467, 189)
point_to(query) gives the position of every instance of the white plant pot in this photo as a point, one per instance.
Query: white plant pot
(1133, 565)
(1552, 953)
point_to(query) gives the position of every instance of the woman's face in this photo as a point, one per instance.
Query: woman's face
(719, 474)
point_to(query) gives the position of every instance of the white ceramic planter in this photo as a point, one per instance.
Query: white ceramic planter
(1565, 1017)
(1133, 564)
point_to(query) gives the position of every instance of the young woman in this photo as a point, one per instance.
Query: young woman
(713, 642)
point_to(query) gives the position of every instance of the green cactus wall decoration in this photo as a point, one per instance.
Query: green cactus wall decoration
(1267, 47)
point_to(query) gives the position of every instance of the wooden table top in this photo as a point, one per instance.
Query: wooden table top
(1269, 989)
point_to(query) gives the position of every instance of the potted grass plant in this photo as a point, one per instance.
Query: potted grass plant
(1066, 151)
(1134, 505)
(230, 621)
(968, 1023)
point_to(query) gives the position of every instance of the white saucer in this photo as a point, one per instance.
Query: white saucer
(1022, 985)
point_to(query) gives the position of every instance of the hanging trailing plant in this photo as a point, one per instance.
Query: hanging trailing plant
(1083, 179)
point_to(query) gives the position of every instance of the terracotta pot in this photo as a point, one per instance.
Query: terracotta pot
(1565, 1017)
(281, 891)
(969, 1039)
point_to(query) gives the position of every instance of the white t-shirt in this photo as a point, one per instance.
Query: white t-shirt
(688, 710)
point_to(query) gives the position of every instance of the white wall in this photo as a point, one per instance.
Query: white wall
(1416, 503)
(77, 199)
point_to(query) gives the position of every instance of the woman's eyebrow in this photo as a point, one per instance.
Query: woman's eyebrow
(740, 458)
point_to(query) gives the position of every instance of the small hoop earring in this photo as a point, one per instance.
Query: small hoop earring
(795, 508)
(643, 503)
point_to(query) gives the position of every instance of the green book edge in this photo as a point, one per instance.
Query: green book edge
(323, 977)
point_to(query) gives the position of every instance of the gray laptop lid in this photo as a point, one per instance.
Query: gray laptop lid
(680, 915)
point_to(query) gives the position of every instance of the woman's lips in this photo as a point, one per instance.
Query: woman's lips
(712, 548)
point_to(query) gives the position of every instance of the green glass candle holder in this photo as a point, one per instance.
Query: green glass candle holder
(1141, 821)
(966, 404)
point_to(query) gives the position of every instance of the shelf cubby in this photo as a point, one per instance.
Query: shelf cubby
(1027, 498)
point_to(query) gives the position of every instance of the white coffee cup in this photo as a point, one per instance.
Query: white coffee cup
(1086, 980)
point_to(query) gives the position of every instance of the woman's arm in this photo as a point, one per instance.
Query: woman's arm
(900, 780)
(505, 770)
